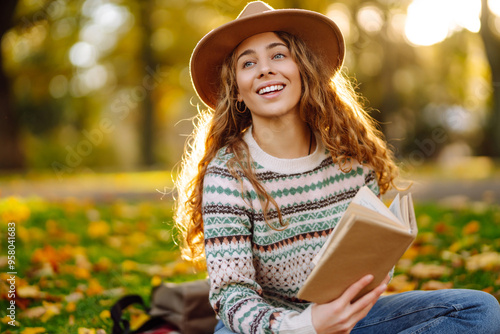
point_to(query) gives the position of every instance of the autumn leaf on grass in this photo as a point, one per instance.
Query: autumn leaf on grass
(83, 330)
(423, 270)
(70, 307)
(456, 259)
(73, 297)
(436, 285)
(48, 254)
(7, 319)
(98, 229)
(401, 283)
(103, 264)
(105, 315)
(14, 209)
(137, 320)
(94, 288)
(471, 228)
(33, 330)
(44, 312)
(484, 261)
(31, 291)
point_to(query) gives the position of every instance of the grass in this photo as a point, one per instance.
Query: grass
(75, 258)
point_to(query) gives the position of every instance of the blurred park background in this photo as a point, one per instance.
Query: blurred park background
(99, 86)
(96, 104)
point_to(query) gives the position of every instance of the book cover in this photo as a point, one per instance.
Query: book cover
(369, 239)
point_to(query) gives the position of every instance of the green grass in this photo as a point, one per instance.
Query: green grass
(83, 256)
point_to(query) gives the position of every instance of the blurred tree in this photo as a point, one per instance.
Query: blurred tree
(11, 154)
(491, 42)
(86, 66)
(147, 131)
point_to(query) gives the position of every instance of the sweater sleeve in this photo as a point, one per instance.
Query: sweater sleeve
(234, 293)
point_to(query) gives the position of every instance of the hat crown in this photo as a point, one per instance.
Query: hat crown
(254, 7)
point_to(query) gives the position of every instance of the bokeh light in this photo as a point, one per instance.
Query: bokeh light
(429, 21)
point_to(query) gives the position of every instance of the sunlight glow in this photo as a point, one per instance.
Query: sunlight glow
(431, 21)
(83, 54)
(494, 6)
(370, 18)
(340, 13)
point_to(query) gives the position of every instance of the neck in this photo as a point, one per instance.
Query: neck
(285, 138)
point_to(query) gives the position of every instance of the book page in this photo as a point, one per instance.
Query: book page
(365, 197)
(410, 212)
(395, 208)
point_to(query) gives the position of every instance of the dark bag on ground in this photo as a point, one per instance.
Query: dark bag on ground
(183, 307)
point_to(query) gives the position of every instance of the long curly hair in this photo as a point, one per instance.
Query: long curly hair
(330, 106)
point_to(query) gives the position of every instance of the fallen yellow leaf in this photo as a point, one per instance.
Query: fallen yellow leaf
(51, 309)
(137, 320)
(73, 297)
(33, 330)
(81, 273)
(70, 307)
(156, 280)
(34, 312)
(129, 265)
(411, 253)
(401, 283)
(489, 289)
(98, 229)
(7, 319)
(436, 285)
(83, 330)
(484, 261)
(30, 291)
(103, 264)
(94, 288)
(104, 315)
(423, 270)
(471, 228)
(14, 209)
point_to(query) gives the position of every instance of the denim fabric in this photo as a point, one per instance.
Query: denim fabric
(441, 311)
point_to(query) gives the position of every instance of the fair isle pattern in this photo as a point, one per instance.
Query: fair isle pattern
(256, 271)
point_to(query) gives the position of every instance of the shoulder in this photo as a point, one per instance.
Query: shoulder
(218, 172)
(368, 175)
(220, 162)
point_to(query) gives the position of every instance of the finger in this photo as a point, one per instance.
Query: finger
(386, 279)
(355, 288)
(361, 307)
(369, 299)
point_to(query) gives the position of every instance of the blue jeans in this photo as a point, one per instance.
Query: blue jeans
(441, 311)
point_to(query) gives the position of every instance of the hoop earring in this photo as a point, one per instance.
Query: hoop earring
(238, 108)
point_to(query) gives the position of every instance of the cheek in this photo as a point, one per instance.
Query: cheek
(243, 83)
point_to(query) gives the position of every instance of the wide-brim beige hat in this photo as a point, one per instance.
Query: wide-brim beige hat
(318, 31)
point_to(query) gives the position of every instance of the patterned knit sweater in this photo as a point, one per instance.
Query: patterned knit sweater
(256, 271)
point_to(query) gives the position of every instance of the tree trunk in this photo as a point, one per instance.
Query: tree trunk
(147, 126)
(11, 153)
(492, 48)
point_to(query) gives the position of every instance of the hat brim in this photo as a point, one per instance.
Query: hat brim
(319, 32)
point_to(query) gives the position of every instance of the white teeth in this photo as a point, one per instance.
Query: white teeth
(270, 89)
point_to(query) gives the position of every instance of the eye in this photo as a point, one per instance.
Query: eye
(247, 64)
(279, 56)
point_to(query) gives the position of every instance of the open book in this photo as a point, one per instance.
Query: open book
(369, 239)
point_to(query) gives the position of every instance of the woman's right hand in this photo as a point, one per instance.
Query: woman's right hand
(342, 314)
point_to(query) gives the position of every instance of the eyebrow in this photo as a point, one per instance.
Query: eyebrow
(251, 51)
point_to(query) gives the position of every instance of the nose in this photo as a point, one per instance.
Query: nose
(265, 68)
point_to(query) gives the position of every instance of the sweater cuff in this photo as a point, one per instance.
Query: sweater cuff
(301, 323)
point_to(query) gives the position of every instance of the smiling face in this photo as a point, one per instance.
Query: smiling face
(268, 78)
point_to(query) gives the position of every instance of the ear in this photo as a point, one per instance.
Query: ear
(240, 99)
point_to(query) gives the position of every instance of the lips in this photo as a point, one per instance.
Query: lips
(270, 89)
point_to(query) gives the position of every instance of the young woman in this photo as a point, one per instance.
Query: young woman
(275, 161)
